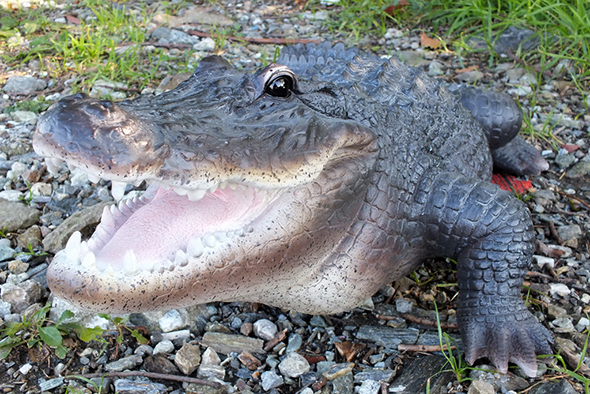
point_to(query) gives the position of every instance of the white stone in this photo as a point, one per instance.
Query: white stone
(294, 365)
(369, 387)
(171, 321)
(265, 329)
(542, 260)
(165, 346)
(25, 369)
(559, 289)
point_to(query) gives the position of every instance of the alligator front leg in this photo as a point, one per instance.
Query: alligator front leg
(491, 234)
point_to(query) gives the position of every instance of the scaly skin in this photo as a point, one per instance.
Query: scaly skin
(347, 171)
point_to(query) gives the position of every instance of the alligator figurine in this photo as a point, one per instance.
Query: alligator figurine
(307, 185)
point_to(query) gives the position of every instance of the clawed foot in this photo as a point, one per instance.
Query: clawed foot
(506, 341)
(518, 157)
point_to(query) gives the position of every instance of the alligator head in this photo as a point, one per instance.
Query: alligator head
(251, 194)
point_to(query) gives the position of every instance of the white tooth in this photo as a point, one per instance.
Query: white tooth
(93, 178)
(223, 185)
(212, 189)
(123, 207)
(159, 268)
(232, 186)
(53, 165)
(239, 232)
(89, 261)
(130, 262)
(107, 219)
(109, 271)
(196, 195)
(180, 190)
(169, 265)
(73, 245)
(137, 183)
(220, 236)
(71, 166)
(84, 248)
(181, 259)
(249, 229)
(147, 266)
(118, 189)
(209, 240)
(117, 214)
(195, 247)
(230, 234)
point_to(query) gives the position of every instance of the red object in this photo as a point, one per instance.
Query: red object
(511, 184)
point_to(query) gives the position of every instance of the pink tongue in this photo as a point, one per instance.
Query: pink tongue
(157, 230)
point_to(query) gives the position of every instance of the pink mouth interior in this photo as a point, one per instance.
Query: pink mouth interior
(166, 224)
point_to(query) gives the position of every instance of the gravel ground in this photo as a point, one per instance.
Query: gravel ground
(251, 347)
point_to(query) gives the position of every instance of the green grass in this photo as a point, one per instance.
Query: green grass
(107, 45)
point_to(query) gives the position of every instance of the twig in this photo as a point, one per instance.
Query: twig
(519, 60)
(155, 44)
(151, 375)
(572, 360)
(420, 320)
(255, 40)
(575, 198)
(554, 233)
(423, 348)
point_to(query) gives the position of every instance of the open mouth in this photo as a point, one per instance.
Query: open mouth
(167, 227)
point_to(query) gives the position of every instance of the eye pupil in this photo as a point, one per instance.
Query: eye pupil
(280, 86)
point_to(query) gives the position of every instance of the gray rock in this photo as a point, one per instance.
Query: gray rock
(470, 76)
(227, 343)
(210, 366)
(125, 386)
(435, 68)
(188, 358)
(165, 346)
(369, 387)
(543, 196)
(343, 384)
(206, 44)
(403, 306)
(128, 362)
(414, 377)
(170, 36)
(480, 387)
(22, 295)
(564, 159)
(501, 382)
(294, 365)
(385, 375)
(6, 252)
(295, 342)
(561, 386)
(80, 221)
(171, 321)
(4, 309)
(513, 37)
(31, 237)
(270, 380)
(318, 321)
(24, 117)
(16, 215)
(388, 336)
(265, 329)
(569, 232)
(579, 170)
(24, 84)
(51, 384)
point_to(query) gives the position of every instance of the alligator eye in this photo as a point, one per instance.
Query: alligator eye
(281, 86)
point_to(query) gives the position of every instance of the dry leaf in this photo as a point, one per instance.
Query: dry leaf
(464, 70)
(427, 42)
(349, 350)
(73, 20)
(399, 5)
